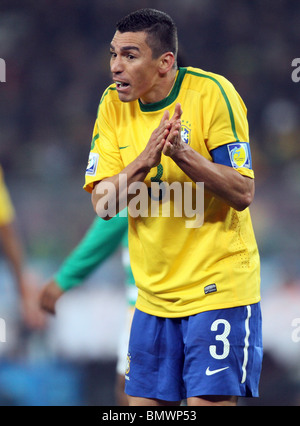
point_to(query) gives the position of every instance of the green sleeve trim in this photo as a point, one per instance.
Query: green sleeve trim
(94, 140)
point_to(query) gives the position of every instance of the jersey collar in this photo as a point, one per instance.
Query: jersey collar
(156, 106)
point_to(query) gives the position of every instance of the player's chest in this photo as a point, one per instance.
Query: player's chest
(134, 136)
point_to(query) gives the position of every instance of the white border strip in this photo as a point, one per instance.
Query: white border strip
(246, 344)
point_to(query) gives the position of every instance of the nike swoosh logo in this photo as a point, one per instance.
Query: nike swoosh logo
(123, 147)
(212, 372)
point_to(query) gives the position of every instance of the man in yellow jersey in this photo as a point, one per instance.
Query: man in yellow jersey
(13, 250)
(160, 133)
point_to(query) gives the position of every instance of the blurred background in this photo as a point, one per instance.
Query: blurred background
(57, 66)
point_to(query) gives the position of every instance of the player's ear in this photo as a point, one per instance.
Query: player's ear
(166, 63)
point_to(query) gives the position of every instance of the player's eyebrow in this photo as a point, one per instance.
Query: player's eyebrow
(126, 48)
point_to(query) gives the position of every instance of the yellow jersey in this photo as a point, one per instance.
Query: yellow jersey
(179, 269)
(7, 212)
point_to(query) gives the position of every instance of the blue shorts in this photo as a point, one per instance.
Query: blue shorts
(212, 353)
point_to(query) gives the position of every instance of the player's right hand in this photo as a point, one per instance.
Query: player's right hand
(174, 141)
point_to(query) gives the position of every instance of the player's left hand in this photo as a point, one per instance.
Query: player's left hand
(174, 142)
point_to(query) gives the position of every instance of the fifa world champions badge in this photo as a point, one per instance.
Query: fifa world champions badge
(239, 154)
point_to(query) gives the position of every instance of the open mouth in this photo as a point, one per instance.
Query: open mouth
(121, 84)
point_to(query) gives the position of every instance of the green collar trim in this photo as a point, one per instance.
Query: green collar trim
(156, 106)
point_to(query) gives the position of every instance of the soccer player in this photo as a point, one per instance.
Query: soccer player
(196, 331)
(14, 253)
(99, 242)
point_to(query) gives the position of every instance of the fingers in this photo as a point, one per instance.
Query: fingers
(166, 134)
(166, 123)
(173, 141)
(175, 129)
(177, 113)
(161, 132)
(168, 126)
(163, 128)
(165, 117)
(167, 149)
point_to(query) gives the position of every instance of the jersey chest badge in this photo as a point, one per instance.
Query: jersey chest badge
(186, 132)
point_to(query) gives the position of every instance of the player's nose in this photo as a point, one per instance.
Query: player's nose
(116, 65)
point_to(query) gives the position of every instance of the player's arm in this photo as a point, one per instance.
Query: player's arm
(113, 191)
(222, 181)
(99, 242)
(14, 253)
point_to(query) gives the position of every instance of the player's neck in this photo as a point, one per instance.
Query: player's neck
(162, 89)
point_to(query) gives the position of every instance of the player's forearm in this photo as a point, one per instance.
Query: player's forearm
(13, 250)
(111, 195)
(222, 181)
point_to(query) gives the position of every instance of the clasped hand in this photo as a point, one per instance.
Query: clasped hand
(166, 138)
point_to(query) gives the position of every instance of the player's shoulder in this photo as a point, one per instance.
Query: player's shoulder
(109, 94)
(108, 99)
(207, 79)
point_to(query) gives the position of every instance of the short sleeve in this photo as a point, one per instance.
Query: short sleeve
(228, 130)
(228, 115)
(104, 158)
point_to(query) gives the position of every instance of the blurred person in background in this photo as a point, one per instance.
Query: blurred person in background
(100, 241)
(281, 331)
(196, 331)
(13, 250)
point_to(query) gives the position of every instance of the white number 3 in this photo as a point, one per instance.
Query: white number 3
(221, 337)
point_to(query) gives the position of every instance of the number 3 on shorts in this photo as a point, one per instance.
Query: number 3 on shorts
(222, 338)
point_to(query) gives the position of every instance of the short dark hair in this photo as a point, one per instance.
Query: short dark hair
(160, 28)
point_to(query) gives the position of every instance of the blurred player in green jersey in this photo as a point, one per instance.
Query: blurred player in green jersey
(100, 242)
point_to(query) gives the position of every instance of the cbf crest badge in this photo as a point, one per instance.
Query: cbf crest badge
(186, 132)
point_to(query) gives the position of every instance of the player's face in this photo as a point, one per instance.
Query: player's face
(133, 69)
